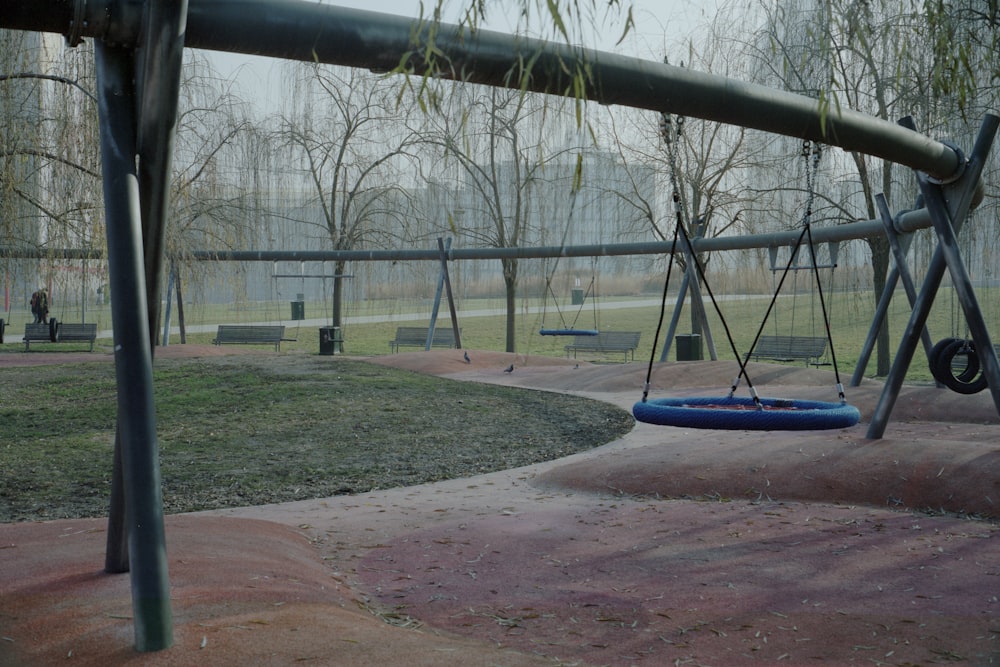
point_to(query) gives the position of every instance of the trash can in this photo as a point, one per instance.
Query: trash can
(331, 341)
(576, 295)
(298, 310)
(688, 347)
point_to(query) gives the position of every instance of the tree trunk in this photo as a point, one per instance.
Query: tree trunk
(338, 294)
(880, 267)
(510, 286)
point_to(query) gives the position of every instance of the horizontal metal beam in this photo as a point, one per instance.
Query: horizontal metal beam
(311, 32)
(909, 221)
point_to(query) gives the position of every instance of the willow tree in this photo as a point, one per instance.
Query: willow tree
(50, 186)
(876, 57)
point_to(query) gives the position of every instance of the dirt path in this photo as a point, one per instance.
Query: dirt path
(670, 546)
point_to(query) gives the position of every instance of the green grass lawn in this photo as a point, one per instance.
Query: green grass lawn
(793, 315)
(248, 430)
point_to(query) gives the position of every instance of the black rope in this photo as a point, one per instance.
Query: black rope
(679, 230)
(725, 326)
(663, 310)
(807, 234)
(555, 266)
(826, 319)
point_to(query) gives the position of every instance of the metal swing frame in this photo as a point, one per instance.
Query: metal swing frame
(139, 44)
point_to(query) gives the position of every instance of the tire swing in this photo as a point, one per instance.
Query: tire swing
(954, 363)
(730, 412)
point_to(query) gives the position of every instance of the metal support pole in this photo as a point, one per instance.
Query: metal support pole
(697, 303)
(675, 318)
(166, 315)
(947, 216)
(899, 271)
(133, 354)
(442, 257)
(948, 243)
(443, 247)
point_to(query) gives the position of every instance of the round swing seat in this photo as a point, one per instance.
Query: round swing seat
(568, 332)
(742, 414)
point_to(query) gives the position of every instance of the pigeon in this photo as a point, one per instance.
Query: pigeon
(509, 369)
(466, 355)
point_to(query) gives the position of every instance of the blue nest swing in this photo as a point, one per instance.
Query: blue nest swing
(744, 414)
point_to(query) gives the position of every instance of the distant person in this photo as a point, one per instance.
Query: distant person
(40, 306)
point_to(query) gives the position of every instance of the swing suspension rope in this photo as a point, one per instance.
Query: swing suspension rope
(571, 329)
(730, 412)
(815, 151)
(681, 231)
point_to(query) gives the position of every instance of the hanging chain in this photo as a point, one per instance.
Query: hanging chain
(816, 151)
(670, 137)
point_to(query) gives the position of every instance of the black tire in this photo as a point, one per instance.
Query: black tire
(945, 372)
(932, 359)
(970, 379)
(53, 330)
(3, 325)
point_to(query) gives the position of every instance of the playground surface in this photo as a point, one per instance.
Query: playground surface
(669, 546)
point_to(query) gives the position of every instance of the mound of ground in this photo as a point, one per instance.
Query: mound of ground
(669, 546)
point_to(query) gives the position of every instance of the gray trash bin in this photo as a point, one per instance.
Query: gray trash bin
(688, 347)
(576, 296)
(331, 341)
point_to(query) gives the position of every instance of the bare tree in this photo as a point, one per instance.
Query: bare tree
(727, 179)
(498, 140)
(354, 157)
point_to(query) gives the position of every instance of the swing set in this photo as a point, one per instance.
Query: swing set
(568, 328)
(730, 411)
(579, 299)
(139, 52)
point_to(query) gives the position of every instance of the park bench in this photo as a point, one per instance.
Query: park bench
(417, 337)
(250, 334)
(790, 348)
(606, 341)
(65, 332)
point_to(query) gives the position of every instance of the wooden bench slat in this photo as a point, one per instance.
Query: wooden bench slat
(417, 337)
(250, 334)
(66, 332)
(790, 348)
(606, 341)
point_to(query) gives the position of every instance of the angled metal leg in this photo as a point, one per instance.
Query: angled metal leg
(963, 287)
(899, 272)
(139, 452)
(945, 217)
(675, 317)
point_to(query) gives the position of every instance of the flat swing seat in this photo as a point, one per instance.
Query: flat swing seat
(568, 332)
(742, 414)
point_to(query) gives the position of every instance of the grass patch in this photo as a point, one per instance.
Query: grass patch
(243, 430)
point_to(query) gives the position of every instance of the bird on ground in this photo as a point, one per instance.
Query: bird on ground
(466, 355)
(509, 369)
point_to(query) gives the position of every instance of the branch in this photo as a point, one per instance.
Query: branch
(50, 77)
(49, 156)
